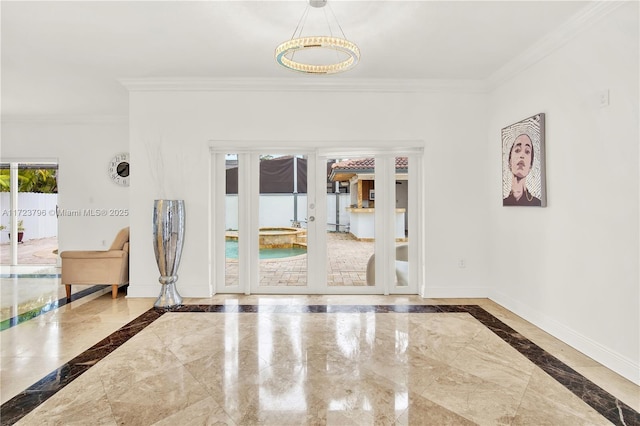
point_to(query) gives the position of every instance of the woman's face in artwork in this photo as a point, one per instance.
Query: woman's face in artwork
(521, 156)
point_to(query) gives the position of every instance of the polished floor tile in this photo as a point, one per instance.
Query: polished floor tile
(27, 289)
(27, 292)
(32, 349)
(312, 360)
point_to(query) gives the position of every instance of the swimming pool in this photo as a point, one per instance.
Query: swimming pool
(231, 251)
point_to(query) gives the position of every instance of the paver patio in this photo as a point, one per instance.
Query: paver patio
(36, 251)
(347, 265)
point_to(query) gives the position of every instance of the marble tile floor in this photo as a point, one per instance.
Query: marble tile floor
(28, 291)
(278, 360)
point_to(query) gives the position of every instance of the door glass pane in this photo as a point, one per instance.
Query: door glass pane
(36, 214)
(402, 222)
(231, 220)
(283, 220)
(350, 221)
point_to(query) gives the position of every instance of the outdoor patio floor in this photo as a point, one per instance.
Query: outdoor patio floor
(347, 265)
(37, 251)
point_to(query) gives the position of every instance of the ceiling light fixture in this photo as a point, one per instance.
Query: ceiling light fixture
(347, 52)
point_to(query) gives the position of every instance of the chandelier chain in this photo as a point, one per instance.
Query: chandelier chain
(302, 20)
(335, 18)
(331, 30)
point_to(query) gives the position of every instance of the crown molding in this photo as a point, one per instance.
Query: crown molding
(304, 85)
(585, 18)
(582, 20)
(64, 119)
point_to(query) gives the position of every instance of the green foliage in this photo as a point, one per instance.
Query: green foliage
(31, 180)
(20, 226)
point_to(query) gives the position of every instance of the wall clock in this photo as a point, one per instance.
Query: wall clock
(119, 169)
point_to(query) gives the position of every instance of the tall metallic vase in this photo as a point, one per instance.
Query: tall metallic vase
(168, 238)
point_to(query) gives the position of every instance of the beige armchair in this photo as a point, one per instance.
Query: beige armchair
(110, 267)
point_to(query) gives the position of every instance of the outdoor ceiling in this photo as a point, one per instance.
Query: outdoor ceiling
(67, 57)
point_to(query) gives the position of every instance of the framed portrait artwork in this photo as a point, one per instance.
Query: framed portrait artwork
(523, 175)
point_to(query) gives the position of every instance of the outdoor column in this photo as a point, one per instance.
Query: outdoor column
(13, 205)
(295, 189)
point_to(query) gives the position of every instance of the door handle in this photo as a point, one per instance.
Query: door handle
(312, 218)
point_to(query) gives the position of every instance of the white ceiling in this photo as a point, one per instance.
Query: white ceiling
(67, 57)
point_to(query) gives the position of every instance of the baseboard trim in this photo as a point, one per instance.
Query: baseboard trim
(603, 355)
(455, 292)
(153, 290)
(143, 290)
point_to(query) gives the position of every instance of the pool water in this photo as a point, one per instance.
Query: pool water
(231, 251)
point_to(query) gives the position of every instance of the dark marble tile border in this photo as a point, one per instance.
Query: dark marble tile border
(26, 401)
(603, 402)
(26, 316)
(610, 407)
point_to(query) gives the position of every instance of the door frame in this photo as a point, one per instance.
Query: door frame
(15, 165)
(318, 152)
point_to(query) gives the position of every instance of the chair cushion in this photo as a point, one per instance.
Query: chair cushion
(120, 240)
(92, 254)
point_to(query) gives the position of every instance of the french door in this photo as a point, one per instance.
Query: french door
(315, 221)
(29, 211)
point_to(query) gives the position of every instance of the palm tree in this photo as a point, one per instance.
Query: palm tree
(31, 180)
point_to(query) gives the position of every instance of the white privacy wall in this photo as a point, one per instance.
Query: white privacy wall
(178, 125)
(40, 222)
(572, 267)
(83, 150)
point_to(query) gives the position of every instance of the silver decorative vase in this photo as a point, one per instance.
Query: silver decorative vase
(168, 239)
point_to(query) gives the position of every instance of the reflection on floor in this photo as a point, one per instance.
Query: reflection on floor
(29, 291)
(302, 360)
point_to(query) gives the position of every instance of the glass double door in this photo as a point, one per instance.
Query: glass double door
(313, 222)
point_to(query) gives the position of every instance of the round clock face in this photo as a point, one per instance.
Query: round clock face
(119, 169)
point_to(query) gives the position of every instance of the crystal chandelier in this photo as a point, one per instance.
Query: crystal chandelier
(350, 53)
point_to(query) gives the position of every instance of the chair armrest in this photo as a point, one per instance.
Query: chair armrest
(92, 254)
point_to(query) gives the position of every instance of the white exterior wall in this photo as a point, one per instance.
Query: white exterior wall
(39, 220)
(276, 210)
(362, 225)
(572, 267)
(343, 216)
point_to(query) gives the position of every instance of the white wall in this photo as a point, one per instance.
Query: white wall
(572, 268)
(342, 216)
(277, 210)
(180, 124)
(38, 218)
(83, 151)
